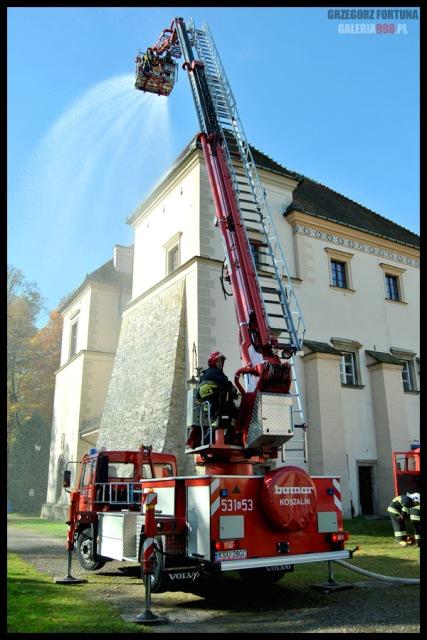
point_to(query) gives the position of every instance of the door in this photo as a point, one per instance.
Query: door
(366, 489)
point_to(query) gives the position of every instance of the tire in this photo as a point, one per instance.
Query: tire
(84, 552)
(261, 575)
(159, 579)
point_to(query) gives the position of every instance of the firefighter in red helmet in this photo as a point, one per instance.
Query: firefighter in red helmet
(217, 388)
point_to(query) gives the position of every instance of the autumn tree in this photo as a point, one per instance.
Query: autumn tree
(24, 303)
(33, 356)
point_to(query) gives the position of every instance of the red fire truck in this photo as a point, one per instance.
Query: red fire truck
(248, 509)
(406, 471)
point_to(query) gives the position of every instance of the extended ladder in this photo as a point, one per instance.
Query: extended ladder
(255, 213)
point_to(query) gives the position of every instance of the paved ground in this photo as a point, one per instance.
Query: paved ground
(232, 607)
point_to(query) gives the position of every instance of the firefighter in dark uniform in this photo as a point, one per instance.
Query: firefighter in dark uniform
(414, 516)
(399, 511)
(216, 388)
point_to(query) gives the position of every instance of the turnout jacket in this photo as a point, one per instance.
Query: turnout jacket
(212, 380)
(400, 505)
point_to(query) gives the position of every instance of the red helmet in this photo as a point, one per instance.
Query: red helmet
(213, 357)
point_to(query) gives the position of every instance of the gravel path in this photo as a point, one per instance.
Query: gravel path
(371, 607)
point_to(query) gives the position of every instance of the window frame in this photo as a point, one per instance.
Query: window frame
(343, 369)
(173, 244)
(73, 338)
(390, 271)
(352, 348)
(408, 359)
(344, 258)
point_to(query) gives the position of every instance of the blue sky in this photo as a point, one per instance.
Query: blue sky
(85, 148)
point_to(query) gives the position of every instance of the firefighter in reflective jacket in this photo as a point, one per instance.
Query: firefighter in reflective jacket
(414, 515)
(399, 511)
(214, 381)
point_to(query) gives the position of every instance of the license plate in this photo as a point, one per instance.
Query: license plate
(231, 554)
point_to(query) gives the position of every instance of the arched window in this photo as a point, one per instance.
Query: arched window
(59, 477)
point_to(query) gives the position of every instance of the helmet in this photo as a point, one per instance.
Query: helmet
(414, 496)
(214, 356)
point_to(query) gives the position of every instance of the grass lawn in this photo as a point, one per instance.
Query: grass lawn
(36, 605)
(49, 528)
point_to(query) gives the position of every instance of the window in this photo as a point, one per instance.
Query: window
(408, 371)
(348, 369)
(73, 339)
(393, 283)
(408, 376)
(339, 278)
(173, 254)
(339, 269)
(349, 364)
(173, 262)
(255, 253)
(392, 287)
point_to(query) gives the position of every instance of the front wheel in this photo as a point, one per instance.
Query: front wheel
(84, 551)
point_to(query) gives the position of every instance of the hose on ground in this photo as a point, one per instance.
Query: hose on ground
(377, 576)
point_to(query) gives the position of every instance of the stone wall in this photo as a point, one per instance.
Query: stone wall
(146, 400)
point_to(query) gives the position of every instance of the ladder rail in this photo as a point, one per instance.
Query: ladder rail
(251, 192)
(220, 89)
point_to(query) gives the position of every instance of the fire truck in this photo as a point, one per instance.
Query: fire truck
(249, 508)
(406, 471)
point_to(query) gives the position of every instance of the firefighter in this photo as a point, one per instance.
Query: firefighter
(399, 512)
(213, 382)
(414, 516)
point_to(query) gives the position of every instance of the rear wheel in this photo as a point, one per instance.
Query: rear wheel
(261, 575)
(84, 552)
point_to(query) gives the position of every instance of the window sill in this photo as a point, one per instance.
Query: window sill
(413, 392)
(353, 386)
(395, 301)
(344, 289)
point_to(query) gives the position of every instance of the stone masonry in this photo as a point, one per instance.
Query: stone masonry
(146, 400)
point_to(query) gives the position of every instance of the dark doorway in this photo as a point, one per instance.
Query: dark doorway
(366, 490)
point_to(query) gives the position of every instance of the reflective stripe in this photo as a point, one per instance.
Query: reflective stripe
(394, 511)
(414, 517)
(399, 534)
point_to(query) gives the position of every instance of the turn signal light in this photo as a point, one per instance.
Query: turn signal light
(339, 537)
(226, 544)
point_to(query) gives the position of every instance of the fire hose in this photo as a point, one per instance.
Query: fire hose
(378, 576)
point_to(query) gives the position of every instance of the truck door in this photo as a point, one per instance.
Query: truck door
(87, 481)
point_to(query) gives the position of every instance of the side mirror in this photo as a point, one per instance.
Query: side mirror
(67, 479)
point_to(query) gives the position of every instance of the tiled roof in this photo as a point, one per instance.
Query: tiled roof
(106, 273)
(321, 347)
(381, 356)
(317, 200)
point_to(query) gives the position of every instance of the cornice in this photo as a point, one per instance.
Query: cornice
(352, 239)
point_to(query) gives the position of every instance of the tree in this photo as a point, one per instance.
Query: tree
(33, 356)
(24, 303)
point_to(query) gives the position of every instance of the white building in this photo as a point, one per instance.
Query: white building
(356, 276)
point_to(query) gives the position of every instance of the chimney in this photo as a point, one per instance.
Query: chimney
(123, 258)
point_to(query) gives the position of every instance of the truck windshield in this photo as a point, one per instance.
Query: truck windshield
(122, 470)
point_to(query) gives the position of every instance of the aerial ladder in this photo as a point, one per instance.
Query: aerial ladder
(271, 326)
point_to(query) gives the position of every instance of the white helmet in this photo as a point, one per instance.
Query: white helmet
(414, 496)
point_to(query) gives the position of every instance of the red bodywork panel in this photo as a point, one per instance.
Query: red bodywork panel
(406, 471)
(219, 497)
